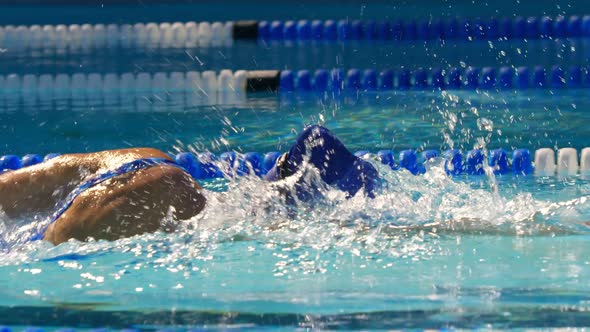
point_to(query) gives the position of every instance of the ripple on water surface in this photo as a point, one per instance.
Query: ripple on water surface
(444, 249)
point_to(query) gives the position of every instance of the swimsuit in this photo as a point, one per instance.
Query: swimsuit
(100, 178)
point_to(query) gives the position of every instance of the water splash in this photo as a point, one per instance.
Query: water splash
(250, 208)
(251, 250)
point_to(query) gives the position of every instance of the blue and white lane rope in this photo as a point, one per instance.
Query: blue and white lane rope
(470, 78)
(87, 36)
(203, 34)
(208, 166)
(427, 29)
(353, 80)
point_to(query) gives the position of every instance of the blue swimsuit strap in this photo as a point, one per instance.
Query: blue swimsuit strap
(123, 169)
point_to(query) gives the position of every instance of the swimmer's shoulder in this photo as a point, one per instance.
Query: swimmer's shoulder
(131, 153)
(71, 166)
(110, 159)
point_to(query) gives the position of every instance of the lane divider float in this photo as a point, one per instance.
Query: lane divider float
(207, 165)
(203, 34)
(425, 29)
(287, 81)
(93, 36)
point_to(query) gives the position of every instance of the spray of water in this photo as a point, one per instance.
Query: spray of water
(406, 206)
(250, 208)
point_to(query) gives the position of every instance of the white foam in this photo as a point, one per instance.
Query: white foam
(544, 162)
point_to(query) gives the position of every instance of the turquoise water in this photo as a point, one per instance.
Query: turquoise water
(305, 55)
(371, 121)
(109, 11)
(430, 251)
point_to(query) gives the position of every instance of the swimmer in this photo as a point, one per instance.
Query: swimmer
(121, 193)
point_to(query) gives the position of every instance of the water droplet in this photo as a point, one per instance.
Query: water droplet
(485, 124)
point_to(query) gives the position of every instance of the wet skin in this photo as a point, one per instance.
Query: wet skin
(126, 205)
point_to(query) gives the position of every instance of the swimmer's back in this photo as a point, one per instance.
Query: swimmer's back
(138, 202)
(38, 188)
(128, 203)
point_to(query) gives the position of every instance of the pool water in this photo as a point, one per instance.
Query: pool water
(371, 121)
(430, 251)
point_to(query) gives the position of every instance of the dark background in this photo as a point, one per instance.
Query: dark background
(133, 11)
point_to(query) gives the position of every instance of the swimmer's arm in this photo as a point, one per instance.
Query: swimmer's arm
(132, 204)
(38, 188)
